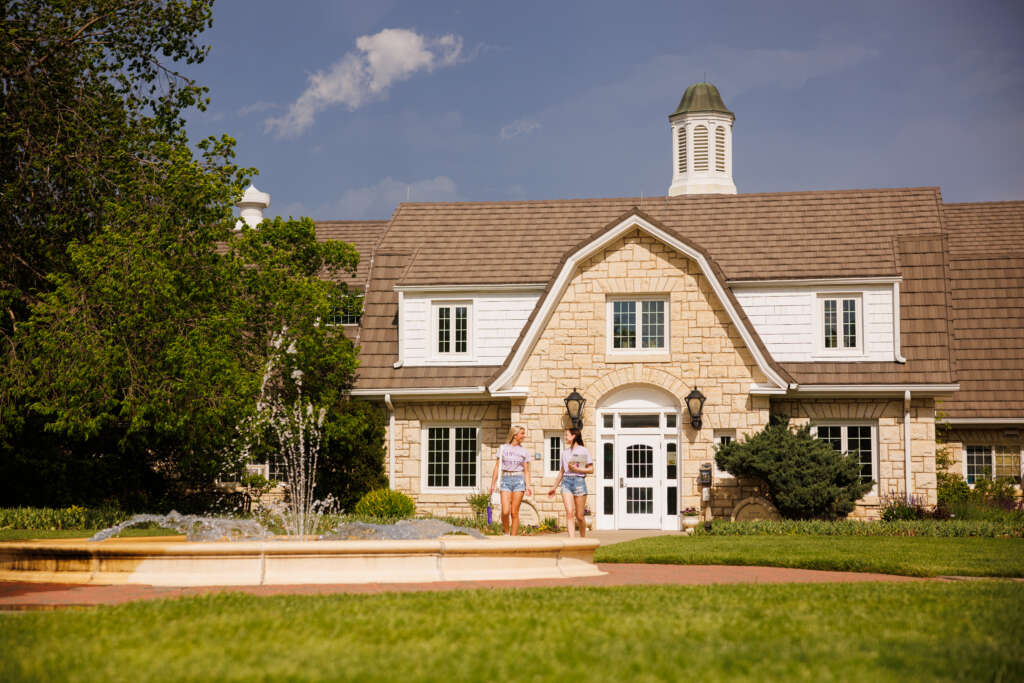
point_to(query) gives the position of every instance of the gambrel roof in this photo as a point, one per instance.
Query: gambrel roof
(776, 236)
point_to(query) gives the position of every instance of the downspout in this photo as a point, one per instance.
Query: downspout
(906, 443)
(391, 439)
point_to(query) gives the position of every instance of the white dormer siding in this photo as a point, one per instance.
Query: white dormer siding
(790, 318)
(495, 319)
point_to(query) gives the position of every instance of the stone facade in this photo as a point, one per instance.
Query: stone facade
(413, 417)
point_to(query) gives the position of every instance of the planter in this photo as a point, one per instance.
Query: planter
(691, 521)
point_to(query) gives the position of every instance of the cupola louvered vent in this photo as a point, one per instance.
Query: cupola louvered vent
(700, 148)
(682, 149)
(720, 149)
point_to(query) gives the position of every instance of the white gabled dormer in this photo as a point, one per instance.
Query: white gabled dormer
(701, 143)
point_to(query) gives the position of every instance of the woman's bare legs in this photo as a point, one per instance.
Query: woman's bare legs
(517, 499)
(506, 510)
(570, 512)
(581, 520)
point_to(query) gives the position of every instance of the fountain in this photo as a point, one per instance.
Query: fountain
(217, 551)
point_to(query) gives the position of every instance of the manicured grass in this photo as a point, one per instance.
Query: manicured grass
(910, 556)
(29, 534)
(899, 632)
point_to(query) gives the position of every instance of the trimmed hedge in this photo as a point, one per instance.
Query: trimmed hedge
(74, 517)
(846, 527)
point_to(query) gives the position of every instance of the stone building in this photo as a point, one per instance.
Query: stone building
(869, 313)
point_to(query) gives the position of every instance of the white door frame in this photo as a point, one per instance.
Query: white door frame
(650, 487)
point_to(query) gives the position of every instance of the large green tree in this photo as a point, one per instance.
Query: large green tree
(136, 321)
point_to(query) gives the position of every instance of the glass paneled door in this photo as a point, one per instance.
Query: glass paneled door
(640, 465)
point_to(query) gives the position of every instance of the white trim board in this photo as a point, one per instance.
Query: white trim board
(984, 420)
(838, 281)
(874, 388)
(554, 295)
(430, 289)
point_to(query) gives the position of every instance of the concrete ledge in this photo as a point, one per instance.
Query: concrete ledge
(175, 562)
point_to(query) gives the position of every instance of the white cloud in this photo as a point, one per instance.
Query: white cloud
(517, 128)
(257, 107)
(366, 74)
(380, 200)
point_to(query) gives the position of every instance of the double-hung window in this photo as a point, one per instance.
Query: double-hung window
(841, 323)
(451, 458)
(451, 329)
(638, 324)
(857, 440)
(992, 462)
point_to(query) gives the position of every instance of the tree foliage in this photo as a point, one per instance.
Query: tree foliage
(805, 478)
(136, 321)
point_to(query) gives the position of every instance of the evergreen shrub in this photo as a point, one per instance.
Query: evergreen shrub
(385, 504)
(805, 478)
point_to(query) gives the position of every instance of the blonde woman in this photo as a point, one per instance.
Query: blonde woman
(513, 466)
(576, 465)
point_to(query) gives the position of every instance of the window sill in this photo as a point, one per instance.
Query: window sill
(638, 357)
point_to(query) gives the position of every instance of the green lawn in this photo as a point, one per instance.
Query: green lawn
(899, 632)
(29, 534)
(911, 556)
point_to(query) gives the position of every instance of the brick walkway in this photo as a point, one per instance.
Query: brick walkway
(21, 596)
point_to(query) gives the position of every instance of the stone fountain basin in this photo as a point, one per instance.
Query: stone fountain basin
(172, 561)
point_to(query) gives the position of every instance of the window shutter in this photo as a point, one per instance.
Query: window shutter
(682, 149)
(720, 149)
(700, 148)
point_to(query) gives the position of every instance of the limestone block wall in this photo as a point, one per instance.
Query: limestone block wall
(704, 350)
(490, 417)
(1008, 441)
(889, 417)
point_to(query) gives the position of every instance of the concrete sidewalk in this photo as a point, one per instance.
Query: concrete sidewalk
(34, 596)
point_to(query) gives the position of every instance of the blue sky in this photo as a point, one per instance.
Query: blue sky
(348, 107)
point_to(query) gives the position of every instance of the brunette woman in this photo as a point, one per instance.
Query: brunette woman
(576, 465)
(513, 466)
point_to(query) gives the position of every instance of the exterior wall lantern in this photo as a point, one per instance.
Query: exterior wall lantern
(574, 403)
(694, 406)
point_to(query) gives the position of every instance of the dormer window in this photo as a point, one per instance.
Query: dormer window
(840, 316)
(451, 323)
(637, 325)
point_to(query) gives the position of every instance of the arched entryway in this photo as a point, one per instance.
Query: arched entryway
(637, 445)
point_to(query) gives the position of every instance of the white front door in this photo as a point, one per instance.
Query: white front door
(640, 464)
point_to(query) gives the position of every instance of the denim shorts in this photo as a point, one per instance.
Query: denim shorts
(512, 482)
(577, 486)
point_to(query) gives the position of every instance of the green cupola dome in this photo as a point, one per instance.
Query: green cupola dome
(701, 97)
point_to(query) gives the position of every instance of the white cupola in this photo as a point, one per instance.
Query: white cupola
(251, 207)
(701, 143)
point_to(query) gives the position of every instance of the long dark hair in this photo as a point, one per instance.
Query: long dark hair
(577, 437)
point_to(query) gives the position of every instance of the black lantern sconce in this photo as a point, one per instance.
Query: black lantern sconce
(574, 403)
(695, 406)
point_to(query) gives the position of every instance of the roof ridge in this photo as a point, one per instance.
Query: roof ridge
(635, 200)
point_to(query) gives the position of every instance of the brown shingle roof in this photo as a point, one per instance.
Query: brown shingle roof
(363, 234)
(854, 233)
(987, 275)
(753, 236)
